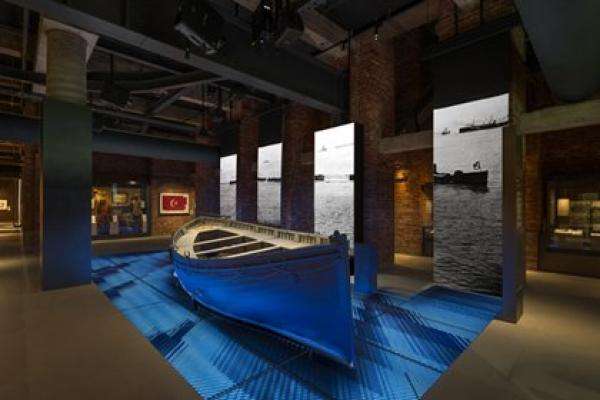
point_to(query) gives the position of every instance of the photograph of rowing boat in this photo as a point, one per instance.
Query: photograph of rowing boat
(468, 195)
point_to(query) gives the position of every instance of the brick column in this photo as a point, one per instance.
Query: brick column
(533, 200)
(297, 167)
(247, 157)
(206, 183)
(30, 198)
(372, 105)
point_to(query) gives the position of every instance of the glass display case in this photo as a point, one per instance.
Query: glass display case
(119, 210)
(573, 215)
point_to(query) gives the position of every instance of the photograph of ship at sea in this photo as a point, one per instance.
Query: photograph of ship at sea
(228, 172)
(269, 185)
(334, 186)
(468, 194)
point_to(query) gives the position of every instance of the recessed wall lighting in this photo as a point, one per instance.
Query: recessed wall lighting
(401, 176)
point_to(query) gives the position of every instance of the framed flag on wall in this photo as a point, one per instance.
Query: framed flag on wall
(174, 203)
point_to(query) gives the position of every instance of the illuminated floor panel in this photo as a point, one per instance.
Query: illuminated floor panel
(403, 344)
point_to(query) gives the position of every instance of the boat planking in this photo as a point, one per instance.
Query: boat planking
(292, 283)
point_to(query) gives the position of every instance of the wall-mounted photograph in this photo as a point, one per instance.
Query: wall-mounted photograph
(467, 194)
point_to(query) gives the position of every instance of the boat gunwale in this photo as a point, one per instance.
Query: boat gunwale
(308, 239)
(257, 260)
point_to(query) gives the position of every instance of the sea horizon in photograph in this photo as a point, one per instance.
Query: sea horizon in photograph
(269, 185)
(334, 188)
(468, 214)
(227, 186)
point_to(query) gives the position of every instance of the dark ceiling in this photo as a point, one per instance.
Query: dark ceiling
(358, 14)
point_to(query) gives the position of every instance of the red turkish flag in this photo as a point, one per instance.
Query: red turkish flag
(174, 203)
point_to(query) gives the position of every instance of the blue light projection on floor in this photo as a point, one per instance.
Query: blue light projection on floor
(403, 344)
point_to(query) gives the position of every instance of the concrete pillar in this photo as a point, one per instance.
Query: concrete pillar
(533, 203)
(297, 167)
(66, 164)
(372, 106)
(247, 157)
(207, 188)
(66, 76)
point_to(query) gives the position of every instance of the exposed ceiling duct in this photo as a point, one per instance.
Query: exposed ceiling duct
(564, 35)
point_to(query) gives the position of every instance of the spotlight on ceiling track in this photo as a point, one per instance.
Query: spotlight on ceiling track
(200, 25)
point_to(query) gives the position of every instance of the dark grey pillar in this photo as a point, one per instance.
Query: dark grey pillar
(513, 255)
(67, 165)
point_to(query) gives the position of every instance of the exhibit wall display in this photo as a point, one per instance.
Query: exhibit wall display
(269, 184)
(228, 176)
(174, 203)
(468, 198)
(334, 181)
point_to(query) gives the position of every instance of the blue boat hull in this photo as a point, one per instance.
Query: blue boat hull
(302, 294)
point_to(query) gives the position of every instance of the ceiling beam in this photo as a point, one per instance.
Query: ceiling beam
(319, 31)
(270, 70)
(178, 81)
(96, 80)
(559, 118)
(249, 4)
(467, 4)
(166, 100)
(152, 121)
(322, 32)
(25, 39)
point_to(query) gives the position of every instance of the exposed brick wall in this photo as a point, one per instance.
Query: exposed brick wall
(411, 211)
(574, 152)
(168, 224)
(170, 177)
(112, 168)
(199, 180)
(247, 158)
(31, 210)
(413, 83)
(470, 18)
(206, 179)
(297, 169)
(372, 105)
(532, 192)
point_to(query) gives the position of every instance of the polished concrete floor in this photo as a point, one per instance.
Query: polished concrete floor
(73, 344)
(553, 353)
(104, 247)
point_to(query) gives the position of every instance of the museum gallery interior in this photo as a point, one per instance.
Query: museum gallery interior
(300, 199)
